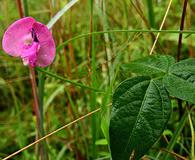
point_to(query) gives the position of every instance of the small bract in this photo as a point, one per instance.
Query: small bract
(30, 40)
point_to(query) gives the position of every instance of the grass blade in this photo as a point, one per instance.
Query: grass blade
(60, 13)
(151, 15)
(123, 31)
(67, 80)
(176, 134)
(193, 136)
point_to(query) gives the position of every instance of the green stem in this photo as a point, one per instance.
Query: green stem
(193, 136)
(122, 31)
(151, 13)
(41, 86)
(25, 4)
(176, 134)
(68, 81)
(41, 95)
(81, 128)
(93, 81)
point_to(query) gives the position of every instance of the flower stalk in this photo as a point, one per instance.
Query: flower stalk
(39, 119)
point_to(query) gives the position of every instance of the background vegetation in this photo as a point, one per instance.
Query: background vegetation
(93, 60)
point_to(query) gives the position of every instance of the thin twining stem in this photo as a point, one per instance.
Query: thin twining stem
(161, 26)
(50, 134)
(123, 31)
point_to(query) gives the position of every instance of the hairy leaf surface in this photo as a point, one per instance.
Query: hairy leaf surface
(157, 64)
(140, 111)
(180, 81)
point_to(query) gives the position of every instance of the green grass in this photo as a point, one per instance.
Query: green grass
(93, 39)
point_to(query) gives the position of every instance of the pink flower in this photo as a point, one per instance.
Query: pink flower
(30, 40)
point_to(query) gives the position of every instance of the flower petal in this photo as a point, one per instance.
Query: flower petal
(47, 49)
(16, 35)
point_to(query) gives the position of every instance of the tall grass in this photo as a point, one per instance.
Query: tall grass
(93, 38)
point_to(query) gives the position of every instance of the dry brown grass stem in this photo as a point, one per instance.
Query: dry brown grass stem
(161, 26)
(50, 134)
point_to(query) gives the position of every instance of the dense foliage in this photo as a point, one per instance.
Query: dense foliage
(146, 101)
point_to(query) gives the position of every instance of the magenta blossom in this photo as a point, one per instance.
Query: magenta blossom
(30, 40)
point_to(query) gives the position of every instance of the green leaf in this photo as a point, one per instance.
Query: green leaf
(180, 81)
(184, 67)
(157, 64)
(141, 109)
